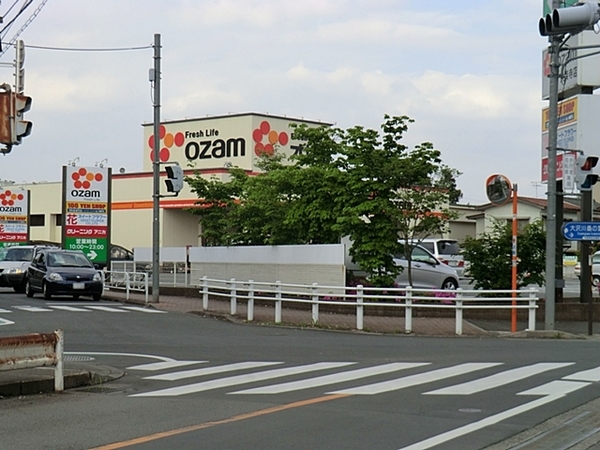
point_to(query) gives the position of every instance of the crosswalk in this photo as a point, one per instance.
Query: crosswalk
(80, 308)
(234, 377)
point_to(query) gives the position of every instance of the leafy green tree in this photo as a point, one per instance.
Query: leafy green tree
(490, 256)
(354, 182)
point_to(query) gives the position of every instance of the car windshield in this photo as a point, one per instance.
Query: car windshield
(448, 248)
(68, 260)
(16, 254)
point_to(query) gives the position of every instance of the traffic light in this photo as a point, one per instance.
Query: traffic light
(5, 118)
(174, 179)
(572, 19)
(20, 128)
(585, 178)
(19, 67)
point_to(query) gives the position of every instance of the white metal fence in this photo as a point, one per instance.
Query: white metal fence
(360, 297)
(127, 281)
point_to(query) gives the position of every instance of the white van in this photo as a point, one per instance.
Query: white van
(446, 251)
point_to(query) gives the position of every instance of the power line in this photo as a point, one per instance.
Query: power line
(67, 49)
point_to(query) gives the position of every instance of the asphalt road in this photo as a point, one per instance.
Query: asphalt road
(199, 383)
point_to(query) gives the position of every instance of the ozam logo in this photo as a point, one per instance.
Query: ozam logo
(8, 199)
(168, 140)
(273, 138)
(82, 182)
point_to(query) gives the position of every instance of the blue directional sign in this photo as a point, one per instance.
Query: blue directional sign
(581, 231)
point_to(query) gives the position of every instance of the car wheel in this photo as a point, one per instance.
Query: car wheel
(21, 287)
(596, 280)
(47, 294)
(97, 297)
(28, 289)
(449, 285)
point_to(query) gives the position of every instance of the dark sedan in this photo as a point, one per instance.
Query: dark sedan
(63, 272)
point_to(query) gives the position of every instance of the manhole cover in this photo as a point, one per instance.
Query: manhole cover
(77, 358)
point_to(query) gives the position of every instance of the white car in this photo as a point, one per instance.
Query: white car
(595, 269)
(447, 251)
(427, 271)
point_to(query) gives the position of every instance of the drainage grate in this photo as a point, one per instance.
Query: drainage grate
(77, 358)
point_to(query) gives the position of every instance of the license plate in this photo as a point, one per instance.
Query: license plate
(78, 285)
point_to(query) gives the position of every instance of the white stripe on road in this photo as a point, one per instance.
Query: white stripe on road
(241, 379)
(585, 375)
(107, 309)
(330, 379)
(211, 370)
(69, 308)
(164, 365)
(498, 379)
(5, 322)
(554, 391)
(32, 308)
(3, 311)
(415, 380)
(146, 310)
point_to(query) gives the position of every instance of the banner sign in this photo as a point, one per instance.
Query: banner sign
(14, 217)
(86, 211)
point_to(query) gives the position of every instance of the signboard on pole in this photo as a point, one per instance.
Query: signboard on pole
(86, 211)
(581, 231)
(577, 129)
(14, 217)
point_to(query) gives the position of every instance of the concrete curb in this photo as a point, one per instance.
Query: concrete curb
(40, 380)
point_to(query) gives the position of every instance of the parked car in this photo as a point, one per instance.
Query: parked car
(427, 271)
(447, 251)
(63, 272)
(595, 269)
(14, 262)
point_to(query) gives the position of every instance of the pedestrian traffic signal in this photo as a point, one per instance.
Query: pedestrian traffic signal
(5, 118)
(572, 20)
(174, 179)
(20, 128)
(585, 178)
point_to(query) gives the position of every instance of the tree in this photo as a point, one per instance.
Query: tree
(351, 182)
(490, 256)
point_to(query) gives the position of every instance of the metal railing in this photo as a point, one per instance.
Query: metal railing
(359, 297)
(128, 281)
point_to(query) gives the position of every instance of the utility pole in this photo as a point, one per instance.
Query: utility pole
(155, 77)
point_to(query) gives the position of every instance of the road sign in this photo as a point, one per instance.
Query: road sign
(581, 231)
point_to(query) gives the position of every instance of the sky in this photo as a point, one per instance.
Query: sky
(468, 72)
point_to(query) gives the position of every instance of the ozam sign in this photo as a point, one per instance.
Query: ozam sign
(14, 217)
(86, 211)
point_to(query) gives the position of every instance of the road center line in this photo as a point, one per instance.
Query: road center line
(201, 426)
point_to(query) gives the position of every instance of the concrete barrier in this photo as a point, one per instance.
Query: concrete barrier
(34, 350)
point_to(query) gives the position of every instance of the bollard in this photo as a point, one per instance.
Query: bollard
(250, 300)
(315, 303)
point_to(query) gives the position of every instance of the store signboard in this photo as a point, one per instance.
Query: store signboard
(14, 217)
(577, 130)
(222, 141)
(86, 211)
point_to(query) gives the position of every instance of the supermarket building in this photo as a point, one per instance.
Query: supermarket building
(208, 145)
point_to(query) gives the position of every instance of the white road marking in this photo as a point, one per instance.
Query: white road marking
(69, 308)
(145, 310)
(211, 370)
(240, 379)
(585, 375)
(107, 309)
(3, 311)
(330, 379)
(164, 365)
(32, 308)
(415, 380)
(5, 322)
(552, 391)
(136, 355)
(498, 379)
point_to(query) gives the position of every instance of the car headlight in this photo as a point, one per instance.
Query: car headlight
(97, 277)
(13, 270)
(55, 277)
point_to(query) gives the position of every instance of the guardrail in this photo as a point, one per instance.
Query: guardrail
(128, 281)
(359, 297)
(34, 350)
